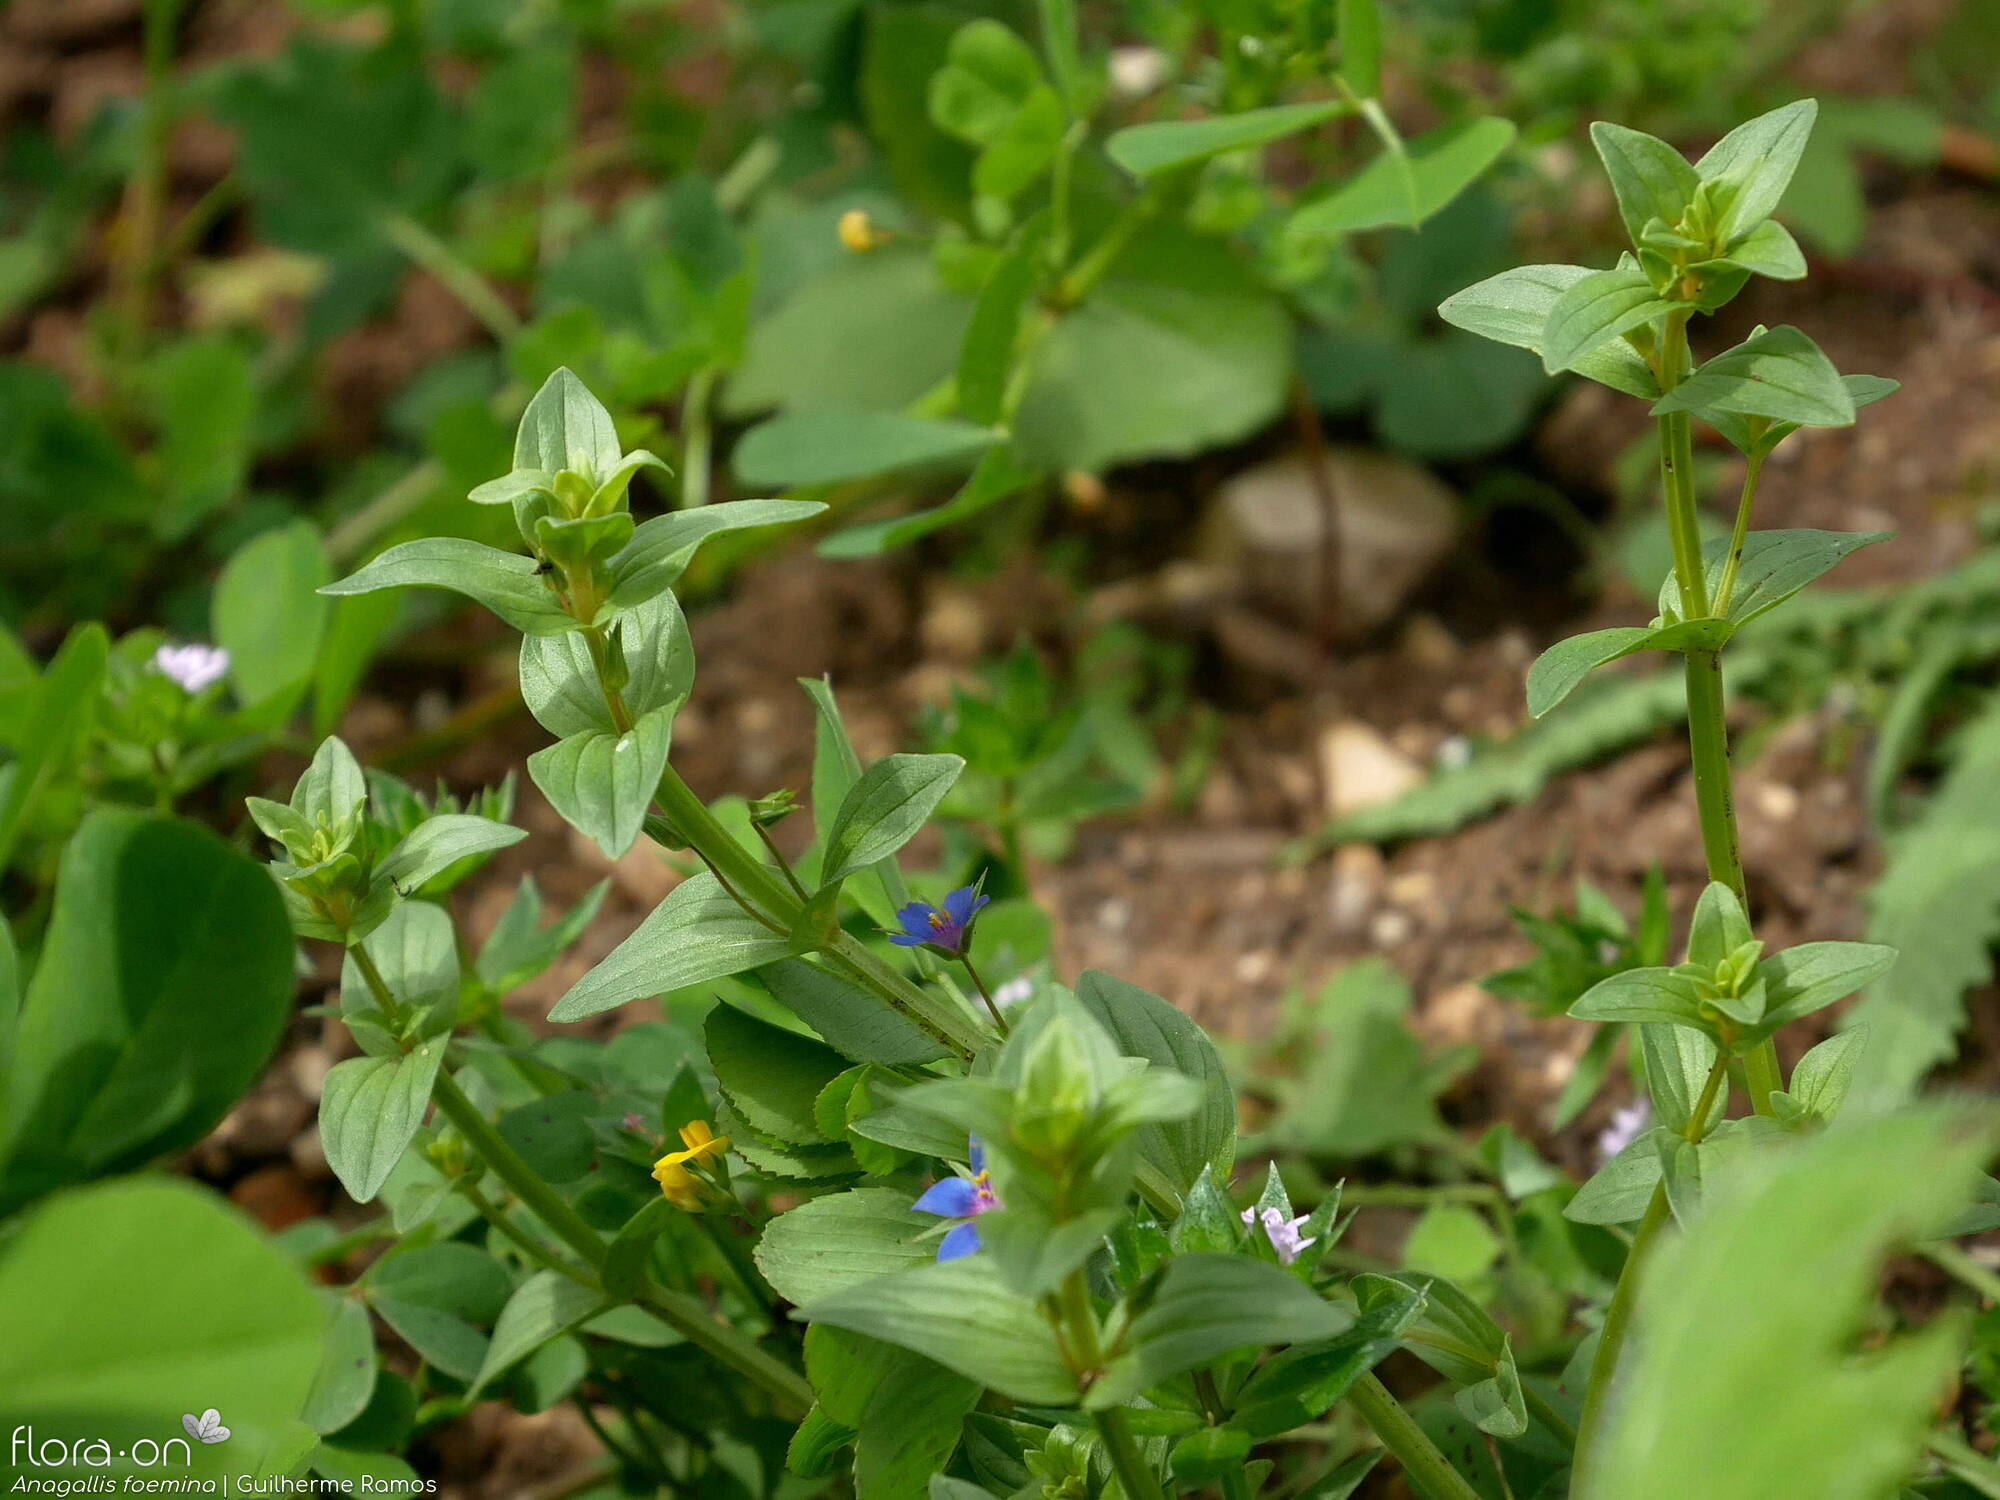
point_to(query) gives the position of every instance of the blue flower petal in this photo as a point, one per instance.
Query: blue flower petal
(904, 940)
(962, 904)
(951, 1198)
(916, 920)
(961, 1242)
(976, 1154)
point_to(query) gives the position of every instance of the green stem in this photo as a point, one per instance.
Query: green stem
(1949, 1258)
(146, 196)
(1725, 586)
(1557, 1424)
(1708, 731)
(684, 1314)
(1966, 1462)
(1135, 1475)
(529, 1246)
(472, 290)
(1430, 1473)
(1618, 1312)
(992, 1005)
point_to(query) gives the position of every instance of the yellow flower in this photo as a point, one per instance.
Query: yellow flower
(856, 232)
(678, 1185)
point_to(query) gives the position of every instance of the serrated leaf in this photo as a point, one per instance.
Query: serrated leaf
(697, 933)
(505, 582)
(1161, 145)
(773, 1077)
(853, 1021)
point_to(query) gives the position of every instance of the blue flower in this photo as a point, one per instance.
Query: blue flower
(945, 931)
(963, 1198)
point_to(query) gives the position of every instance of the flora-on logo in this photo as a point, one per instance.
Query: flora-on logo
(207, 1427)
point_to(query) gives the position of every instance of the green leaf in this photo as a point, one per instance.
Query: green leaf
(505, 582)
(1208, 1306)
(1144, 1025)
(999, 475)
(125, 1298)
(698, 933)
(542, 1308)
(1016, 158)
(1360, 35)
(772, 1076)
(1775, 565)
(519, 948)
(553, 1134)
(825, 447)
(268, 615)
(347, 1370)
(438, 1297)
(1760, 1299)
(416, 951)
(1496, 1404)
(990, 74)
(164, 983)
(1719, 927)
(1162, 145)
(986, 358)
(1558, 670)
(1178, 349)
(559, 680)
(566, 427)
(1650, 178)
(625, 1262)
(1678, 1062)
(438, 843)
(1641, 995)
(1299, 1385)
(59, 710)
(602, 783)
(1777, 373)
(1440, 165)
(1623, 1187)
(203, 395)
(1514, 307)
(1204, 1456)
(828, 1245)
(661, 549)
(369, 1111)
(1595, 310)
(1812, 976)
(1759, 157)
(884, 809)
(1820, 1080)
(1769, 250)
(853, 1021)
(961, 1314)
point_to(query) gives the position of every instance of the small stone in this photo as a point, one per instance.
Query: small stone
(1414, 890)
(1358, 768)
(1426, 643)
(308, 1155)
(1777, 801)
(265, 1122)
(1390, 928)
(275, 1196)
(1251, 968)
(1394, 522)
(953, 627)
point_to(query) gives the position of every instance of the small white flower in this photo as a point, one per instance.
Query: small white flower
(194, 666)
(1284, 1236)
(1624, 1129)
(1015, 991)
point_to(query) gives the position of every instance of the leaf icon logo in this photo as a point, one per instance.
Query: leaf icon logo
(207, 1427)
